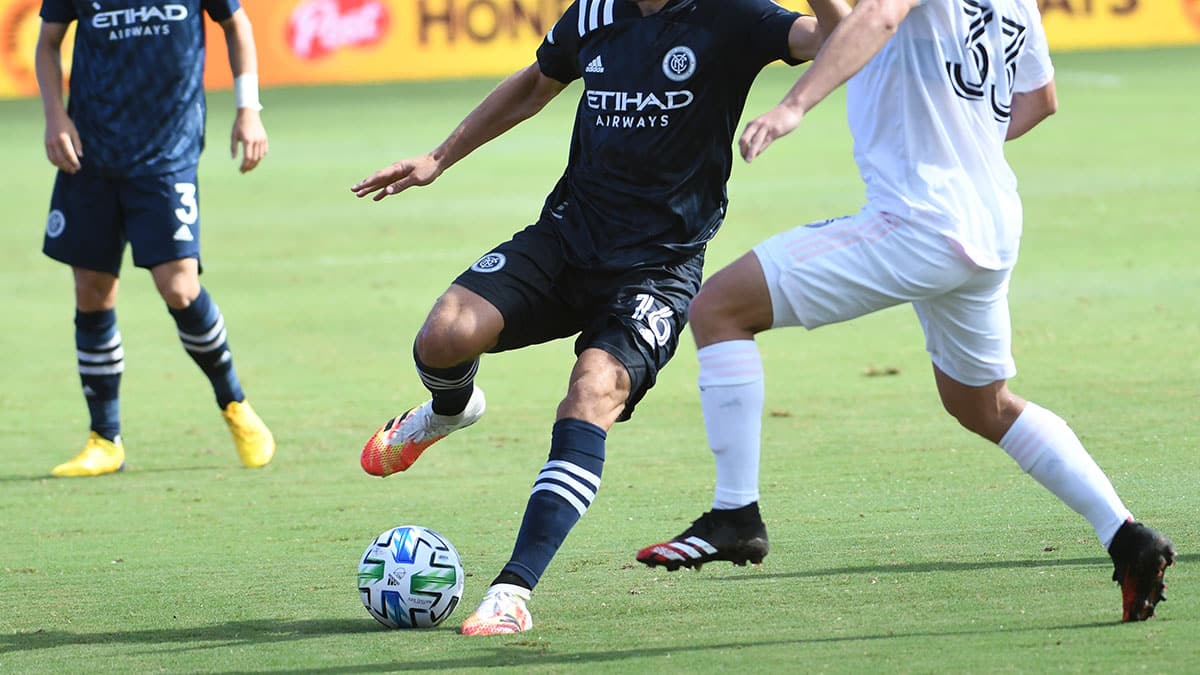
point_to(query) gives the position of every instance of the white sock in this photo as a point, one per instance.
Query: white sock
(1046, 448)
(731, 395)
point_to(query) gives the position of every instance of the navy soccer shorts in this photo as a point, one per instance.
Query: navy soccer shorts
(93, 217)
(636, 315)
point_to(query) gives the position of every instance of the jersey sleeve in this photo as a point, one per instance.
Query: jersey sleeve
(1034, 69)
(220, 10)
(767, 26)
(558, 55)
(58, 11)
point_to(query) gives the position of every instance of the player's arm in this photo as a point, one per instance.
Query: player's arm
(1029, 108)
(248, 130)
(515, 100)
(810, 32)
(63, 147)
(855, 41)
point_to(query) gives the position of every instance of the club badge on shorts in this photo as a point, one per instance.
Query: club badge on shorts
(56, 222)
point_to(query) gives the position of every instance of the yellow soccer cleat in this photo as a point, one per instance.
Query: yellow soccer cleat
(255, 444)
(99, 456)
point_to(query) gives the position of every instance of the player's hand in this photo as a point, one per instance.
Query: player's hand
(248, 131)
(63, 147)
(763, 130)
(399, 177)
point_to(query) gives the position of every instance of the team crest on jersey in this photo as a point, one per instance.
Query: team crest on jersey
(492, 262)
(679, 64)
(56, 222)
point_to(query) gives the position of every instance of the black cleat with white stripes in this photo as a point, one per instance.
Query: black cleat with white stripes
(737, 535)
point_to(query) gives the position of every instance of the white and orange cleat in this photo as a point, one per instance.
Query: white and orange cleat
(401, 440)
(501, 611)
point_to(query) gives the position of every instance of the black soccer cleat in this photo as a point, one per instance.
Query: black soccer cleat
(736, 535)
(1140, 558)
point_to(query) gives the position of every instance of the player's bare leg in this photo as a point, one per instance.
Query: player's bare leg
(460, 327)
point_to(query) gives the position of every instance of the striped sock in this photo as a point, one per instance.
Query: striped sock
(101, 360)
(451, 387)
(561, 494)
(202, 332)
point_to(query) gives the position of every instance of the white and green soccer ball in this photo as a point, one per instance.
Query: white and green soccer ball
(410, 577)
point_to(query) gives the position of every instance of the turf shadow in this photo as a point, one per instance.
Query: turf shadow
(935, 566)
(518, 652)
(251, 632)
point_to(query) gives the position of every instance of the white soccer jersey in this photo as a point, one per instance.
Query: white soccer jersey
(929, 114)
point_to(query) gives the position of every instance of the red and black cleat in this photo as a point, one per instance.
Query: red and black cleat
(738, 536)
(1140, 558)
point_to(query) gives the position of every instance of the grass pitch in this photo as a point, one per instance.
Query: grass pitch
(899, 542)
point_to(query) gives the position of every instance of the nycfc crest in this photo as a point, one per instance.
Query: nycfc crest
(679, 64)
(55, 223)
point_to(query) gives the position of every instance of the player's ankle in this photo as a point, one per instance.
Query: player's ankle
(512, 580)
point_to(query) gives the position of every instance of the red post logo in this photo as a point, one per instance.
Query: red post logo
(317, 28)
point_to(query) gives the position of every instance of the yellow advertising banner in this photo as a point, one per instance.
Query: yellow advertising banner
(329, 41)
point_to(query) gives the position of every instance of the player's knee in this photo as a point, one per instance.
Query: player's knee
(460, 327)
(95, 291)
(176, 298)
(443, 345)
(449, 338)
(177, 290)
(707, 312)
(178, 293)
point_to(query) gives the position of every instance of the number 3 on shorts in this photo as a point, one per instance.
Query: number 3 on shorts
(190, 211)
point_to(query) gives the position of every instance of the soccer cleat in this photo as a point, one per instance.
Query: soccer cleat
(1140, 558)
(99, 456)
(255, 444)
(736, 535)
(501, 611)
(401, 440)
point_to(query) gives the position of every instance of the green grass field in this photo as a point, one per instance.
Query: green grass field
(900, 543)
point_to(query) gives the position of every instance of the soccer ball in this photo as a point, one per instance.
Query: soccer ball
(410, 577)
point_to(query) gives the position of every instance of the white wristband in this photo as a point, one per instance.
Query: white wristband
(245, 91)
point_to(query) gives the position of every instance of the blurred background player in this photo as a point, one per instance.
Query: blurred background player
(127, 146)
(940, 86)
(616, 254)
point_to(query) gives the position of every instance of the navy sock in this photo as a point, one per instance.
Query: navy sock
(561, 494)
(202, 332)
(101, 360)
(451, 387)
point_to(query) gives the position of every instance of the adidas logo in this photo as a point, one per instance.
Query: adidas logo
(183, 234)
(596, 66)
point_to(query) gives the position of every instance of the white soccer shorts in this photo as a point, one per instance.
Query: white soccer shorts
(840, 269)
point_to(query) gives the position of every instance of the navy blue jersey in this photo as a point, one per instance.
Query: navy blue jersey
(652, 147)
(137, 81)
